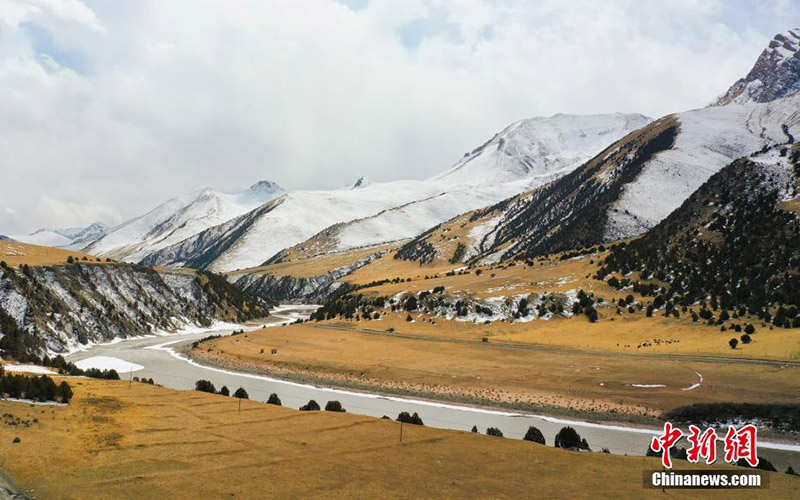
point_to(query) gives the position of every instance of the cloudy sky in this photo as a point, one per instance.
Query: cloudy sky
(109, 108)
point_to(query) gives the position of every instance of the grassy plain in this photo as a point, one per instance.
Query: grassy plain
(113, 441)
(17, 254)
(458, 367)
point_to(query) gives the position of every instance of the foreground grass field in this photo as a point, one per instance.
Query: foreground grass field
(113, 441)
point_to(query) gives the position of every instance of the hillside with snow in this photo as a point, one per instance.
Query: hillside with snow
(178, 219)
(540, 147)
(70, 238)
(636, 182)
(526, 154)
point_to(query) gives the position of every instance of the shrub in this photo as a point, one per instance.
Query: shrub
(334, 406)
(405, 418)
(475, 429)
(733, 343)
(241, 393)
(224, 391)
(569, 439)
(494, 431)
(763, 464)
(534, 435)
(749, 329)
(746, 339)
(311, 406)
(274, 400)
(204, 386)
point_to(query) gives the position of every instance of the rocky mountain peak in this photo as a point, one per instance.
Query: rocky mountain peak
(776, 73)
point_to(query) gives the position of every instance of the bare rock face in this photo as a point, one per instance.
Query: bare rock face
(776, 73)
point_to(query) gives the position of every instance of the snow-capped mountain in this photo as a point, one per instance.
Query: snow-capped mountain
(776, 73)
(178, 219)
(539, 147)
(636, 182)
(624, 191)
(73, 238)
(525, 155)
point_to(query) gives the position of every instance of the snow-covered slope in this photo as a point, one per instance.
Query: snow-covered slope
(776, 73)
(178, 219)
(511, 162)
(540, 146)
(71, 238)
(709, 139)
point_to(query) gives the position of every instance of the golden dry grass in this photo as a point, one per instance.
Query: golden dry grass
(627, 332)
(440, 367)
(149, 442)
(17, 254)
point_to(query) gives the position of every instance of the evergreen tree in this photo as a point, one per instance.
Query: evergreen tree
(310, 406)
(569, 439)
(534, 435)
(494, 431)
(204, 386)
(334, 406)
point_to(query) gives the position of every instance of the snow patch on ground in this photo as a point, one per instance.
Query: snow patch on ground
(42, 370)
(108, 363)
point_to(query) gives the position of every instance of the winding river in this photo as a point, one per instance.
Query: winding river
(158, 355)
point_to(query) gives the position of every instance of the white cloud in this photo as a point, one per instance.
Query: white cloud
(111, 107)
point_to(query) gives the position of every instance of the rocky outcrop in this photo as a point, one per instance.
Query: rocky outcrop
(289, 288)
(776, 73)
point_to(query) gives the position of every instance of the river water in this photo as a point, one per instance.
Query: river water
(158, 355)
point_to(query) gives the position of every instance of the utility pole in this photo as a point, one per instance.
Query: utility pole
(401, 432)
(130, 379)
(240, 405)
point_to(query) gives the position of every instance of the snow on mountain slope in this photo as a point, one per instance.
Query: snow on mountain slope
(71, 238)
(411, 219)
(540, 146)
(178, 219)
(622, 192)
(44, 237)
(709, 139)
(251, 239)
(776, 73)
(506, 165)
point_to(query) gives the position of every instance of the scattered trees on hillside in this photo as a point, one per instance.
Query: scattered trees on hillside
(41, 388)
